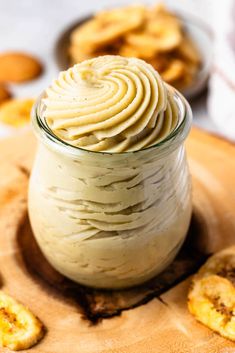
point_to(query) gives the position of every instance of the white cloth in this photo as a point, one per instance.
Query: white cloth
(221, 103)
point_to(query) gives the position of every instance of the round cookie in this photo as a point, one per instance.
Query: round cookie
(18, 67)
(4, 94)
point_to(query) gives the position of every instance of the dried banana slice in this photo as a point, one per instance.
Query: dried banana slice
(159, 11)
(221, 264)
(159, 16)
(78, 54)
(188, 51)
(212, 294)
(108, 26)
(19, 328)
(163, 40)
(144, 52)
(174, 71)
(160, 62)
(16, 112)
(212, 302)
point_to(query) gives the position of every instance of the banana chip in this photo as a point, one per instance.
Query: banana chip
(77, 54)
(163, 41)
(189, 51)
(211, 297)
(168, 31)
(174, 71)
(107, 26)
(19, 328)
(141, 52)
(151, 33)
(16, 112)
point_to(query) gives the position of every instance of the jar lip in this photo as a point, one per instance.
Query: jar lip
(45, 133)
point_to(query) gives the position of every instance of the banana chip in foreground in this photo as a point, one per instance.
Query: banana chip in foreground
(19, 328)
(211, 297)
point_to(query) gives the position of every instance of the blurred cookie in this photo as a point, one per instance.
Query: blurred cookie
(4, 94)
(211, 298)
(16, 112)
(18, 67)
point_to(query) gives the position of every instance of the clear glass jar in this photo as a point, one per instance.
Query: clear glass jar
(110, 220)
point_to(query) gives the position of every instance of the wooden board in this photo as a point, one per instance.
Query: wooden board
(161, 326)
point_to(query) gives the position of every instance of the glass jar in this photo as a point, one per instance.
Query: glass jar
(110, 220)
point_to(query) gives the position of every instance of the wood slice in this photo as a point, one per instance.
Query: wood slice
(163, 325)
(97, 303)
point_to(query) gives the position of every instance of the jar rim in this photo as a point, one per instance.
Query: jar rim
(46, 134)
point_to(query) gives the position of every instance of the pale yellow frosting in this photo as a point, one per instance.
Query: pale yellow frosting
(112, 104)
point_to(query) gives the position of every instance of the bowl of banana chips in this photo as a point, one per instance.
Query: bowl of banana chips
(177, 45)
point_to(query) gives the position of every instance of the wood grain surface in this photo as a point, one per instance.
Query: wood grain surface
(164, 324)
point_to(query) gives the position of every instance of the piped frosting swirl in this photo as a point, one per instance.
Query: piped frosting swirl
(111, 104)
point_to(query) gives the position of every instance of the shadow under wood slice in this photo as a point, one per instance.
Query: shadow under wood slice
(98, 304)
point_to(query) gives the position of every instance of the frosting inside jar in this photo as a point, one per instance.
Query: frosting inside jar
(110, 220)
(112, 104)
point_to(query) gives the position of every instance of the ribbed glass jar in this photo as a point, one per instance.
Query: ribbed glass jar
(110, 220)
